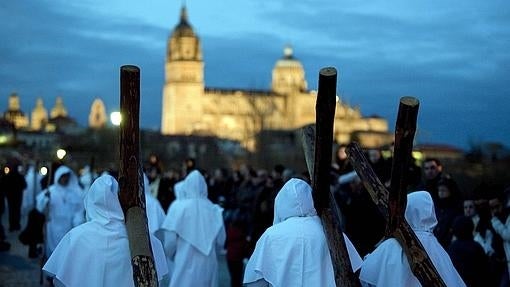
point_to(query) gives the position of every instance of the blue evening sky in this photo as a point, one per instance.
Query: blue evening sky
(454, 56)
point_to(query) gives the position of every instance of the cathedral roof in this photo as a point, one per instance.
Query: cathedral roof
(183, 29)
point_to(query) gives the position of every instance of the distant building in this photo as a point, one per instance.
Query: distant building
(191, 108)
(97, 116)
(39, 116)
(59, 110)
(14, 114)
(443, 152)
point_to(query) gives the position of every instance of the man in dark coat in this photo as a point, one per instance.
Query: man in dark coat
(13, 183)
(467, 255)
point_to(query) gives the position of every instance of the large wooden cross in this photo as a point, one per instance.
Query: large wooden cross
(131, 195)
(392, 203)
(317, 144)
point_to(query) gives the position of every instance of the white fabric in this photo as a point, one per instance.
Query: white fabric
(96, 253)
(194, 231)
(155, 213)
(87, 177)
(504, 231)
(294, 251)
(64, 208)
(33, 179)
(388, 265)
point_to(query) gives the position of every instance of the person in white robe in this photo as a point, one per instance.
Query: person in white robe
(387, 265)
(294, 250)
(62, 203)
(97, 253)
(33, 180)
(155, 213)
(193, 234)
(87, 176)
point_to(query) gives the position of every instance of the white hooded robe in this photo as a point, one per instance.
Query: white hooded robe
(194, 231)
(294, 251)
(97, 253)
(387, 265)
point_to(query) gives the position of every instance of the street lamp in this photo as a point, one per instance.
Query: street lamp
(115, 118)
(61, 153)
(43, 170)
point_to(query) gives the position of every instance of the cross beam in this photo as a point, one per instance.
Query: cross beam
(392, 203)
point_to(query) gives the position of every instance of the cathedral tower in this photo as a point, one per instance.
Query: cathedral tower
(14, 113)
(39, 116)
(184, 81)
(97, 116)
(58, 110)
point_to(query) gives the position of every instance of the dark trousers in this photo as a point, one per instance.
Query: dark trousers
(235, 268)
(14, 202)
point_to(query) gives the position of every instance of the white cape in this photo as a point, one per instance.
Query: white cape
(193, 231)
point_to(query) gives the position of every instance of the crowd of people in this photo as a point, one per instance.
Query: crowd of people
(263, 221)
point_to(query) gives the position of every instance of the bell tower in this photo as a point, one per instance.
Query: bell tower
(184, 80)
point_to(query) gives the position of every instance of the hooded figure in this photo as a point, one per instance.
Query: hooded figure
(387, 265)
(155, 213)
(97, 253)
(64, 205)
(193, 232)
(294, 251)
(33, 179)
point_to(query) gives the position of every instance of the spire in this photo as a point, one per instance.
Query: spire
(184, 14)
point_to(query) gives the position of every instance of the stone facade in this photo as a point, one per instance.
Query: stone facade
(190, 108)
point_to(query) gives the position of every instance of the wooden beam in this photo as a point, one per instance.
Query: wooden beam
(320, 145)
(131, 189)
(405, 129)
(418, 259)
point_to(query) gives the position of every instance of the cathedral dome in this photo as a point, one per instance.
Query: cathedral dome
(288, 74)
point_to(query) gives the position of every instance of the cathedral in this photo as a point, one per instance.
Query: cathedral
(190, 108)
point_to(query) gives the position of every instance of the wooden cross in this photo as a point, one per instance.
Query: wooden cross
(317, 145)
(392, 203)
(131, 195)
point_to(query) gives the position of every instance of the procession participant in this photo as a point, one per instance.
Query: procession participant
(387, 265)
(294, 250)
(193, 232)
(100, 245)
(64, 205)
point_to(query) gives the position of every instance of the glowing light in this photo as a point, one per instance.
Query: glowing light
(418, 155)
(43, 170)
(6, 170)
(115, 118)
(61, 153)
